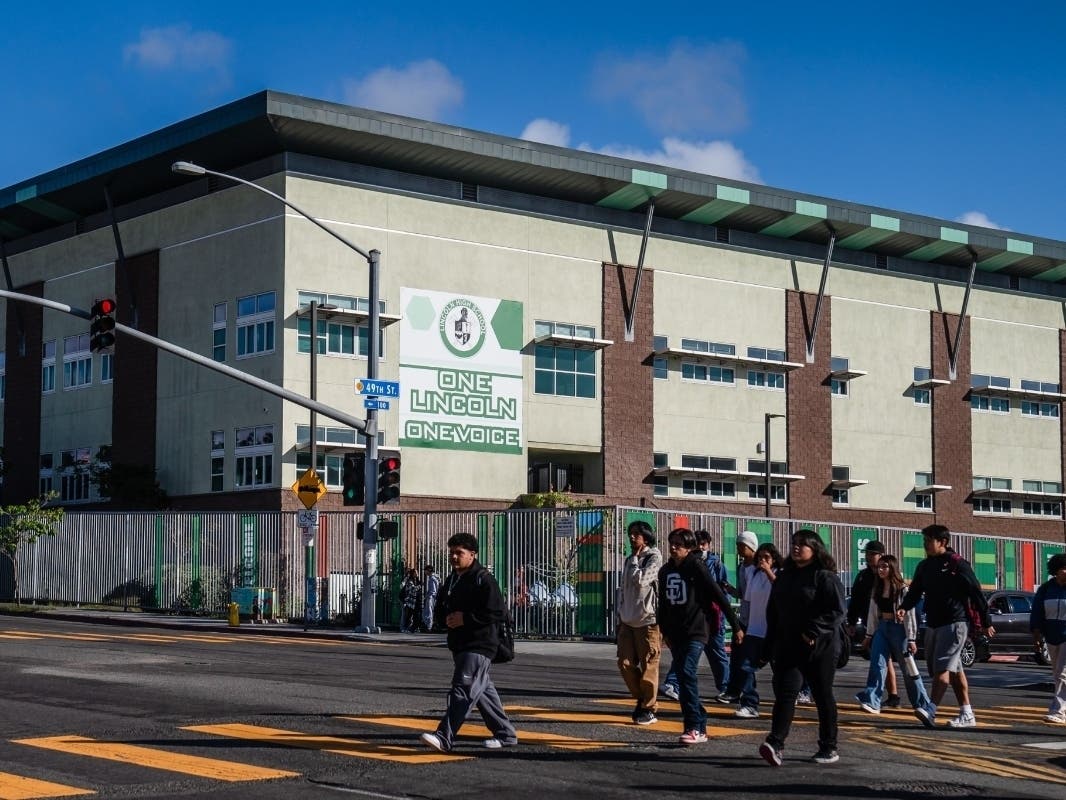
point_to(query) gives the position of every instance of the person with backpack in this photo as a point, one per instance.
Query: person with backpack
(639, 641)
(952, 594)
(686, 592)
(859, 609)
(472, 609)
(804, 617)
(1047, 621)
(717, 657)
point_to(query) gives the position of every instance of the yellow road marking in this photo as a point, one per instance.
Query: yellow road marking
(15, 787)
(481, 732)
(617, 720)
(953, 753)
(329, 744)
(157, 759)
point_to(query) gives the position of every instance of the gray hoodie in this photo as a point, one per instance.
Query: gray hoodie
(638, 593)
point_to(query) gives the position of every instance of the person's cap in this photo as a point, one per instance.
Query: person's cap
(748, 539)
(874, 546)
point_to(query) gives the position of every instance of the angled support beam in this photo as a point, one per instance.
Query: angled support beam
(953, 360)
(821, 294)
(631, 312)
(20, 323)
(120, 258)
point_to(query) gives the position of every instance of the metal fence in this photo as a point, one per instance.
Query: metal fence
(558, 568)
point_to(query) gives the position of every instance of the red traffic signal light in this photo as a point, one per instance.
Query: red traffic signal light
(102, 329)
(388, 479)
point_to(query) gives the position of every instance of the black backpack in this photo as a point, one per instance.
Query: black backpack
(505, 651)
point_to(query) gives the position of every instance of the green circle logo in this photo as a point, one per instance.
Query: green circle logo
(462, 327)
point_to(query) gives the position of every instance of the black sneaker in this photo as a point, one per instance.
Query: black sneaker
(637, 711)
(645, 718)
(826, 756)
(892, 701)
(771, 754)
(726, 699)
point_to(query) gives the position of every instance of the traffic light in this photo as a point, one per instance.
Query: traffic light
(354, 479)
(388, 479)
(102, 329)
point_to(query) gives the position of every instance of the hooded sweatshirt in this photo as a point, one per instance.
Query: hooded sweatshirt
(1049, 612)
(638, 593)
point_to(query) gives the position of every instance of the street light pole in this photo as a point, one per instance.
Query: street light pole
(369, 428)
(766, 457)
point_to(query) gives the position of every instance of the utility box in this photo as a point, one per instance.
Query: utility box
(250, 599)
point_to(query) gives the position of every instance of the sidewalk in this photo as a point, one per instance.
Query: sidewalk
(586, 649)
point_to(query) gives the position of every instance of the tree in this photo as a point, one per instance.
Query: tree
(25, 524)
(128, 486)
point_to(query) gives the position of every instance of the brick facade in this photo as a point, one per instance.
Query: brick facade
(22, 404)
(628, 396)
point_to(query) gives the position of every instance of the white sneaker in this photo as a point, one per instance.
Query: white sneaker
(667, 690)
(963, 721)
(1056, 719)
(434, 741)
(746, 712)
(804, 699)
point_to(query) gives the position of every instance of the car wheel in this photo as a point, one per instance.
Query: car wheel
(1042, 656)
(969, 653)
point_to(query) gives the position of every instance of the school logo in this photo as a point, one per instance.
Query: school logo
(676, 590)
(462, 327)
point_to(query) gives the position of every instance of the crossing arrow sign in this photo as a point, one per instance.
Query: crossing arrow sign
(309, 488)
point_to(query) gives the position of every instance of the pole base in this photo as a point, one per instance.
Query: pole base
(366, 629)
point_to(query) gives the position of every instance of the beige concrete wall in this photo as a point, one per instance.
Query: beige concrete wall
(702, 418)
(878, 431)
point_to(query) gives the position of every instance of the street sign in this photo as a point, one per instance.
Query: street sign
(309, 488)
(376, 388)
(374, 403)
(565, 527)
(307, 518)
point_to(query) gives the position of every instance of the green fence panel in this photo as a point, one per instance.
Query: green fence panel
(500, 547)
(1010, 565)
(591, 577)
(984, 562)
(913, 553)
(1046, 552)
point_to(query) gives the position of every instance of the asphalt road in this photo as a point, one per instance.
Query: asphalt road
(142, 712)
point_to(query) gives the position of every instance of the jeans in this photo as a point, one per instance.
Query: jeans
(686, 656)
(717, 659)
(1058, 678)
(890, 642)
(743, 668)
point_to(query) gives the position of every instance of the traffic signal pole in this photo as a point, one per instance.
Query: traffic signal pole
(368, 608)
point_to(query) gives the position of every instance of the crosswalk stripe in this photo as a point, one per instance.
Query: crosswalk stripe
(16, 787)
(664, 725)
(481, 732)
(157, 759)
(329, 744)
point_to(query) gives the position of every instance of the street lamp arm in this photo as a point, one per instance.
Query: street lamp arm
(189, 168)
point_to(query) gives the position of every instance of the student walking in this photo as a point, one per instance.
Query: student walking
(890, 640)
(686, 591)
(806, 610)
(859, 608)
(471, 608)
(756, 599)
(639, 640)
(1047, 621)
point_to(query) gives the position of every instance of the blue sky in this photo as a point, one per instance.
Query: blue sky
(955, 110)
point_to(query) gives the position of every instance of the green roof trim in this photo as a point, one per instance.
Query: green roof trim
(932, 250)
(1053, 274)
(864, 239)
(884, 223)
(24, 193)
(742, 196)
(1018, 246)
(954, 235)
(629, 197)
(710, 213)
(999, 261)
(808, 209)
(791, 225)
(656, 180)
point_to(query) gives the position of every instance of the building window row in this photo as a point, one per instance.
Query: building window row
(561, 370)
(253, 456)
(255, 324)
(71, 479)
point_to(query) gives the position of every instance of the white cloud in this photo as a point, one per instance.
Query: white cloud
(720, 158)
(547, 131)
(979, 219)
(424, 89)
(179, 47)
(687, 90)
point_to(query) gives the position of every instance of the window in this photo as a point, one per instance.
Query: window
(922, 397)
(335, 435)
(218, 333)
(1031, 408)
(923, 502)
(107, 367)
(704, 372)
(3, 375)
(1034, 508)
(47, 474)
(838, 387)
(984, 482)
(708, 462)
(992, 505)
(218, 461)
(693, 487)
(1040, 386)
(1045, 487)
(840, 497)
(254, 456)
(74, 475)
(660, 485)
(48, 366)
(336, 337)
(758, 379)
(711, 348)
(995, 381)
(758, 465)
(841, 473)
(255, 324)
(709, 488)
(329, 466)
(660, 367)
(757, 491)
(998, 405)
(766, 354)
(564, 371)
(77, 362)
(660, 460)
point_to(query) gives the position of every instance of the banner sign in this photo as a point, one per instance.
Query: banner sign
(460, 372)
